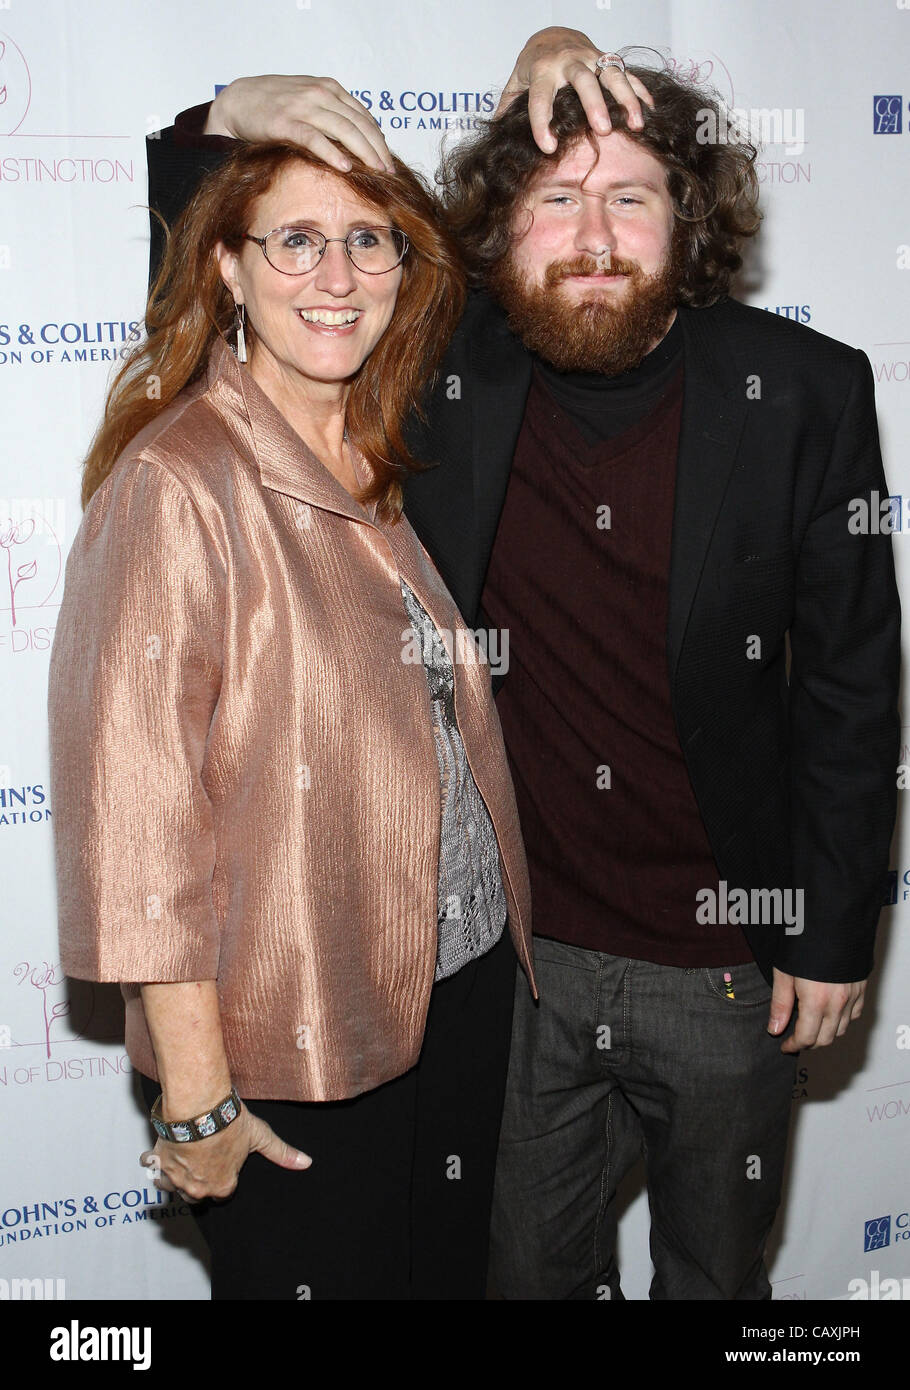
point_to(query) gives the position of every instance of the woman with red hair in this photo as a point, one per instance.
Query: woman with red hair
(294, 849)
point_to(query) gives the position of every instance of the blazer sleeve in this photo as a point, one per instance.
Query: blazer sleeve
(134, 678)
(178, 158)
(844, 717)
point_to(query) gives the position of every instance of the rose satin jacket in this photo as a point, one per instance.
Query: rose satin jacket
(243, 768)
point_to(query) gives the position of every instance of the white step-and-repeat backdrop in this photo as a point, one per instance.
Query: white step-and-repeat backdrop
(80, 87)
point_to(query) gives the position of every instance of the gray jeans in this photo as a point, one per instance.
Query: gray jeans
(622, 1058)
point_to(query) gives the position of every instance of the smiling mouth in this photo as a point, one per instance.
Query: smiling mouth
(330, 318)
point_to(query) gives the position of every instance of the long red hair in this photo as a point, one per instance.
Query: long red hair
(189, 305)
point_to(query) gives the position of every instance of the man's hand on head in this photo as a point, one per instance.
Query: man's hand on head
(307, 111)
(556, 57)
(825, 1010)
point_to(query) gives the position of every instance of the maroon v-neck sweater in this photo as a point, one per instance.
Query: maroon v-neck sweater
(616, 867)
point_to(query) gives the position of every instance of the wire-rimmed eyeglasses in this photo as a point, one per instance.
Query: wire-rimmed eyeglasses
(294, 250)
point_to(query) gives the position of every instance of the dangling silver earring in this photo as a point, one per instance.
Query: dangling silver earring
(241, 338)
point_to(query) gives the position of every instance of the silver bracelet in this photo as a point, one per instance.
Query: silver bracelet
(186, 1131)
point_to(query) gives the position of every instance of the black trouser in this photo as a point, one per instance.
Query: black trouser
(397, 1202)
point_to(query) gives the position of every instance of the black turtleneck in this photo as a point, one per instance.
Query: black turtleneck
(603, 406)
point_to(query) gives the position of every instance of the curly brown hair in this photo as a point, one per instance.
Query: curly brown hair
(713, 184)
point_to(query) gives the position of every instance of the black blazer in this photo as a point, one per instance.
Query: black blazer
(795, 779)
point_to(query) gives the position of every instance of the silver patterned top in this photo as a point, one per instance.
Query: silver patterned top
(472, 903)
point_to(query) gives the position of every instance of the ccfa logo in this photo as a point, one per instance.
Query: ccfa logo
(886, 118)
(877, 1233)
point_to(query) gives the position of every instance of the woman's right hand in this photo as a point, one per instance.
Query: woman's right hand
(304, 111)
(211, 1167)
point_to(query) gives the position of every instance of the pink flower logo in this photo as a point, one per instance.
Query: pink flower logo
(15, 86)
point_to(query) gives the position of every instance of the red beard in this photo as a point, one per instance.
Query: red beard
(598, 333)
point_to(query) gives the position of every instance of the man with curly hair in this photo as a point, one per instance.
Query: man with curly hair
(647, 486)
(708, 840)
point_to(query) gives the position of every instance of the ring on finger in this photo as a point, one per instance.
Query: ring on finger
(609, 60)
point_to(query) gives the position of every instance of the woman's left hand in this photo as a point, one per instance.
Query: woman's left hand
(556, 57)
(211, 1167)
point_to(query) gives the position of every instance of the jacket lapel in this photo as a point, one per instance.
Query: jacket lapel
(500, 382)
(713, 414)
(286, 462)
